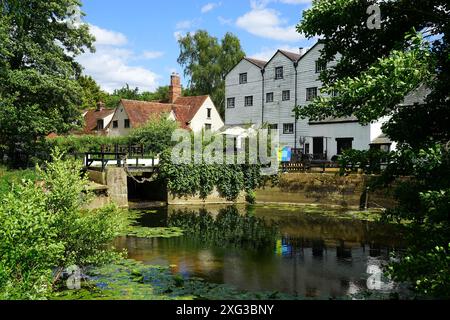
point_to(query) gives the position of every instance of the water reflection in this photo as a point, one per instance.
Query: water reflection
(312, 255)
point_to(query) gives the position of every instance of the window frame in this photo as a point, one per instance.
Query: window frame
(283, 95)
(320, 66)
(308, 96)
(209, 113)
(245, 101)
(126, 123)
(115, 124)
(271, 94)
(241, 78)
(229, 106)
(288, 131)
(277, 76)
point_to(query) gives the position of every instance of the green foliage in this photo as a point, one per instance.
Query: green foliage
(43, 228)
(376, 69)
(184, 180)
(206, 62)
(9, 178)
(369, 161)
(112, 100)
(39, 94)
(156, 135)
(92, 94)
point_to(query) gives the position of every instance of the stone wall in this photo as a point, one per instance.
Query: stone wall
(214, 198)
(326, 189)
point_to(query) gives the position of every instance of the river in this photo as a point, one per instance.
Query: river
(318, 252)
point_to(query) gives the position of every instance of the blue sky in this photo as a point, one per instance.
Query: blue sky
(137, 39)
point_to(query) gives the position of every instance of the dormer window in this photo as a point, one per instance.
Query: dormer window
(279, 73)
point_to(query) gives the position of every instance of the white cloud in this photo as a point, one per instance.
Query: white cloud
(267, 23)
(224, 21)
(110, 64)
(187, 24)
(210, 6)
(107, 37)
(152, 54)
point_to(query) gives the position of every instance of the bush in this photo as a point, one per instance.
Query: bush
(43, 230)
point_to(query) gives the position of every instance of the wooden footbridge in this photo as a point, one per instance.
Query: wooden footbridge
(133, 158)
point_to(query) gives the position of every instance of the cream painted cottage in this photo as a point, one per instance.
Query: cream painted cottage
(192, 113)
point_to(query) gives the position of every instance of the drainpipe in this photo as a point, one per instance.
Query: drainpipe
(296, 101)
(263, 71)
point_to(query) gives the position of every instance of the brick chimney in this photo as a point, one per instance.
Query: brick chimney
(100, 106)
(175, 87)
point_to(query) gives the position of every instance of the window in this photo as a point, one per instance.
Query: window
(344, 144)
(242, 78)
(208, 127)
(320, 66)
(273, 126)
(269, 97)
(100, 124)
(115, 124)
(279, 73)
(249, 101)
(286, 95)
(231, 102)
(288, 128)
(126, 123)
(311, 94)
(209, 113)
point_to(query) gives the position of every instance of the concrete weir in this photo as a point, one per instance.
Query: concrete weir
(114, 180)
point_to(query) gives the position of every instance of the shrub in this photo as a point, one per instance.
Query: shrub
(43, 230)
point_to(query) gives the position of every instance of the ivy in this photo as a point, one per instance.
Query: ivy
(185, 180)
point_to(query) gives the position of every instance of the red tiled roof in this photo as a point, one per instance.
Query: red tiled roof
(140, 112)
(184, 108)
(189, 108)
(91, 118)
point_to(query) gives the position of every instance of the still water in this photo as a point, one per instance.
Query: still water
(314, 253)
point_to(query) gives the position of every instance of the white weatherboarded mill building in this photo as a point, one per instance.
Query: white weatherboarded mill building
(260, 92)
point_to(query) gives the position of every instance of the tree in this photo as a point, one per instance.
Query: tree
(91, 92)
(206, 61)
(376, 69)
(39, 93)
(112, 100)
